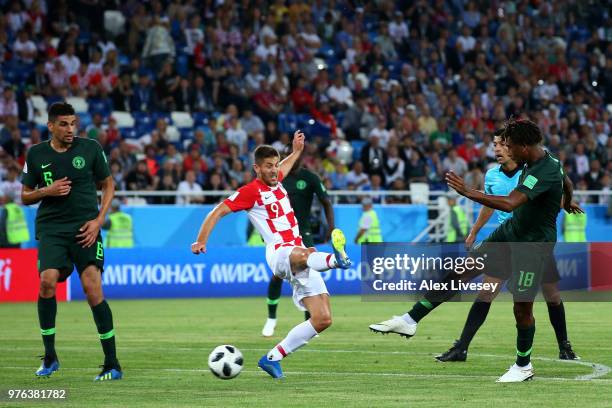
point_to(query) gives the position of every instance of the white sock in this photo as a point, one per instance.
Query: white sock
(321, 261)
(408, 318)
(296, 338)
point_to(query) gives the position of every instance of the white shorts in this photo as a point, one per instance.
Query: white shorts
(304, 283)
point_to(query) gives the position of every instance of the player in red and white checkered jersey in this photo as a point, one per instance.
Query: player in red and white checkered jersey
(269, 209)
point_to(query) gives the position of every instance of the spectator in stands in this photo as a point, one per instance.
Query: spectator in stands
(8, 104)
(11, 186)
(375, 184)
(455, 163)
(189, 185)
(15, 147)
(236, 135)
(159, 45)
(373, 157)
(356, 177)
(139, 179)
(468, 151)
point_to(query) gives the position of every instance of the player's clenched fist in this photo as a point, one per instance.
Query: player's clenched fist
(198, 248)
(59, 187)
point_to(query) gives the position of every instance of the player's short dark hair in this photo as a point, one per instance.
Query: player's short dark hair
(499, 132)
(60, 109)
(265, 151)
(522, 132)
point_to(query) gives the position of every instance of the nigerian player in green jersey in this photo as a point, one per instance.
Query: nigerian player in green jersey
(63, 174)
(301, 185)
(532, 230)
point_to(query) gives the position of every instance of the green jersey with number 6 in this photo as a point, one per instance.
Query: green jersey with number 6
(84, 164)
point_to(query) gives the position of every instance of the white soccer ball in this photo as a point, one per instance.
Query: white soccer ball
(225, 362)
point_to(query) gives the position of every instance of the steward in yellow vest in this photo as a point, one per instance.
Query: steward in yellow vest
(120, 228)
(574, 227)
(369, 226)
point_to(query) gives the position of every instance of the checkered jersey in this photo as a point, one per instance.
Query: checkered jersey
(269, 211)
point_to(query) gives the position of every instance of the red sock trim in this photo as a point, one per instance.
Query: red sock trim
(327, 260)
(281, 350)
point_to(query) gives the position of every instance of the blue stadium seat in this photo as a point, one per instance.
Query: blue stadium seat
(142, 118)
(144, 128)
(318, 129)
(161, 115)
(186, 134)
(199, 118)
(85, 119)
(129, 133)
(182, 65)
(357, 146)
(101, 106)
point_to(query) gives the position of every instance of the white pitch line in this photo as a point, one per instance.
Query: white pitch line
(599, 370)
(335, 374)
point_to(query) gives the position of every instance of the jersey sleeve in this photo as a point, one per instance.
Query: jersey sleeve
(243, 199)
(30, 176)
(537, 182)
(100, 166)
(319, 188)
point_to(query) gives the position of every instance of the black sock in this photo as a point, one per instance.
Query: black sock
(476, 317)
(104, 322)
(306, 315)
(274, 294)
(47, 310)
(524, 343)
(422, 309)
(556, 313)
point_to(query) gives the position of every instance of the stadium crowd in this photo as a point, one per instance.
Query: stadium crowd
(416, 87)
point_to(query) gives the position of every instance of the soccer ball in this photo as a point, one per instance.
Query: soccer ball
(225, 362)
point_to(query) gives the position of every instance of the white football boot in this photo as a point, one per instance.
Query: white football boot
(517, 374)
(268, 329)
(395, 325)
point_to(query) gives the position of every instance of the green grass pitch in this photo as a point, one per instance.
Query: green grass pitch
(163, 346)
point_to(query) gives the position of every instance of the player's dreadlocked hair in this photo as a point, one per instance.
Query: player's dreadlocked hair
(263, 152)
(60, 109)
(522, 132)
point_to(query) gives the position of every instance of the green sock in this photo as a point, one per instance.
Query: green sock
(104, 322)
(524, 343)
(422, 309)
(47, 310)
(274, 294)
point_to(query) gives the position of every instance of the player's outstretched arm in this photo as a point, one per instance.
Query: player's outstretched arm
(220, 211)
(483, 217)
(505, 203)
(58, 188)
(298, 147)
(568, 194)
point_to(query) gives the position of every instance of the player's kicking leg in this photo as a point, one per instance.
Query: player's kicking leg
(309, 293)
(91, 279)
(300, 335)
(476, 317)
(406, 324)
(556, 313)
(47, 310)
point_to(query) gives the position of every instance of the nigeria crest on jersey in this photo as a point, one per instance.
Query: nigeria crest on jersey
(78, 162)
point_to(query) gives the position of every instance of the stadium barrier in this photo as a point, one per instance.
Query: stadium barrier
(225, 272)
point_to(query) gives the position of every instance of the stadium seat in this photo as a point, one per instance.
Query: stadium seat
(79, 104)
(101, 106)
(357, 146)
(84, 119)
(182, 119)
(124, 119)
(173, 134)
(39, 103)
(186, 134)
(129, 133)
(419, 193)
(161, 115)
(199, 118)
(41, 119)
(114, 22)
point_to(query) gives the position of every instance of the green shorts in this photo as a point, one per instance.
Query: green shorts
(530, 264)
(63, 252)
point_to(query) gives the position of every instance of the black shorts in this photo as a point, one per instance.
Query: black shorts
(63, 252)
(502, 258)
